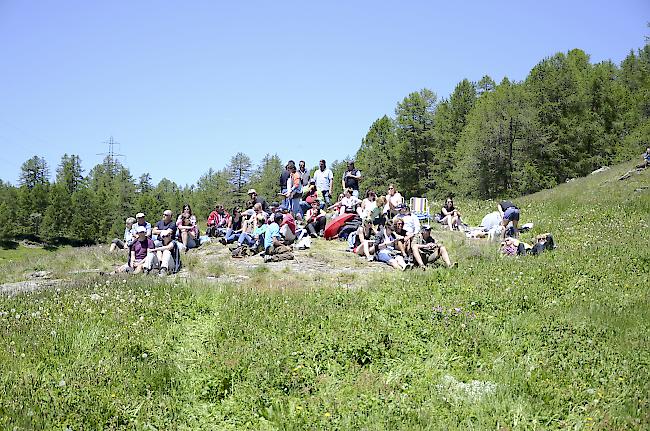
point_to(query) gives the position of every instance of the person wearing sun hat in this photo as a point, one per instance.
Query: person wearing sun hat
(140, 221)
(141, 259)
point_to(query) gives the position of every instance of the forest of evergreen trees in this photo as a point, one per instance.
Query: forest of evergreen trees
(567, 118)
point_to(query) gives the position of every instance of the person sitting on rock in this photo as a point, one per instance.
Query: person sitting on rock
(167, 223)
(385, 248)
(315, 218)
(234, 228)
(140, 221)
(275, 249)
(187, 230)
(140, 259)
(646, 159)
(167, 253)
(364, 240)
(287, 226)
(124, 244)
(217, 222)
(426, 250)
(349, 203)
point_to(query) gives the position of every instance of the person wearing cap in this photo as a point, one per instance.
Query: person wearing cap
(140, 259)
(128, 237)
(140, 221)
(167, 253)
(324, 179)
(255, 199)
(167, 222)
(426, 250)
(351, 178)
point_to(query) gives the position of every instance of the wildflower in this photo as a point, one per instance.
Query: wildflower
(62, 383)
(144, 355)
(53, 333)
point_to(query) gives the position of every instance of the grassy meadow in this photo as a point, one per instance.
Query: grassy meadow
(558, 341)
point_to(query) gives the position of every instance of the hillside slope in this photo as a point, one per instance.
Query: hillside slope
(550, 342)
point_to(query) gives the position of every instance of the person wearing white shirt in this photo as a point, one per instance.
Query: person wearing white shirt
(324, 181)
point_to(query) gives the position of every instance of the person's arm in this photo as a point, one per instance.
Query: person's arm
(331, 182)
(132, 261)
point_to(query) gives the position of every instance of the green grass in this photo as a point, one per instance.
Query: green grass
(559, 341)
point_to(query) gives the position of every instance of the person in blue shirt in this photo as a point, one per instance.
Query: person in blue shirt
(274, 248)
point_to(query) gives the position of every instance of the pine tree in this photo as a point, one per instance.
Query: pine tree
(34, 172)
(69, 172)
(239, 173)
(377, 158)
(57, 217)
(414, 118)
(265, 178)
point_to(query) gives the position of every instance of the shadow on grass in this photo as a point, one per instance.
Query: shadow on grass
(9, 245)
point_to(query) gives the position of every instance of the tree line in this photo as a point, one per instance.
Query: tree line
(565, 119)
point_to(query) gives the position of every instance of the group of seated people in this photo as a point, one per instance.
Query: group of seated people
(157, 248)
(378, 228)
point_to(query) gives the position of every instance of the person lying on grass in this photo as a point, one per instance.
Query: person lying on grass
(646, 159)
(514, 247)
(385, 247)
(425, 249)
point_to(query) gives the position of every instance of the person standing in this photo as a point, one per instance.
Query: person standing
(304, 174)
(324, 181)
(351, 179)
(509, 214)
(284, 178)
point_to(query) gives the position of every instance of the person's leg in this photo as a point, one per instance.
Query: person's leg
(449, 220)
(442, 252)
(312, 229)
(355, 193)
(184, 237)
(167, 260)
(401, 263)
(113, 247)
(415, 249)
(191, 242)
(401, 246)
(320, 224)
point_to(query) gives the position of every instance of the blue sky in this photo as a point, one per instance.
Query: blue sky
(183, 87)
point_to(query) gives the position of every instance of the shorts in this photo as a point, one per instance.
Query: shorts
(385, 256)
(511, 214)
